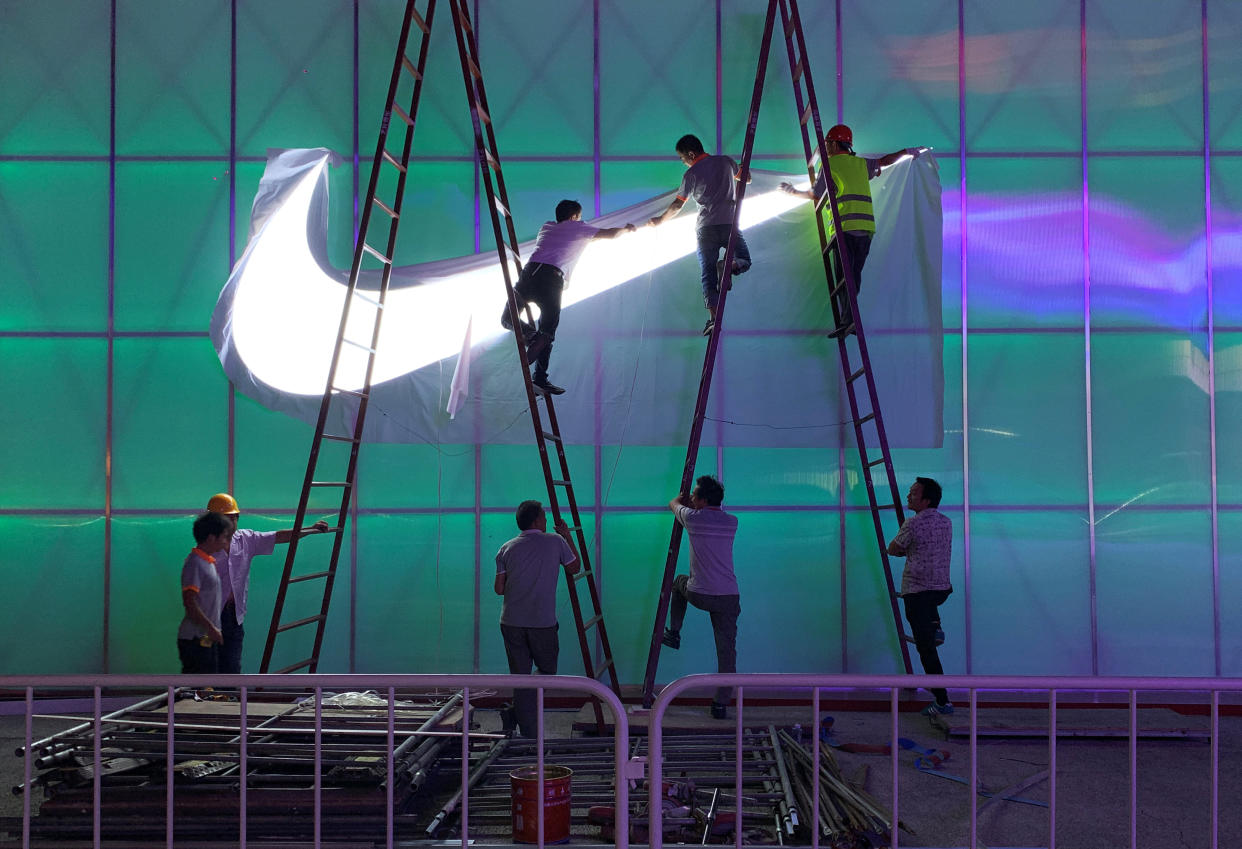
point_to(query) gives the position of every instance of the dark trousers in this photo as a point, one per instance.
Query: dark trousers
(197, 659)
(857, 245)
(713, 239)
(524, 646)
(724, 611)
(923, 614)
(540, 284)
(234, 633)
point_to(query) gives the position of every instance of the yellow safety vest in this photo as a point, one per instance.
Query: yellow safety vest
(850, 179)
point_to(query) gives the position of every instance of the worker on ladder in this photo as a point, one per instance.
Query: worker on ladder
(545, 276)
(711, 181)
(851, 176)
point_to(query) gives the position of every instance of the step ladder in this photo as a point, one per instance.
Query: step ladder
(866, 417)
(407, 74)
(511, 265)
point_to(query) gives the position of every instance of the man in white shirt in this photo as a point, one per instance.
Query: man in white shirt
(545, 276)
(926, 541)
(233, 564)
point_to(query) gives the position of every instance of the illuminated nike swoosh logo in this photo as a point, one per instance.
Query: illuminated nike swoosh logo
(286, 300)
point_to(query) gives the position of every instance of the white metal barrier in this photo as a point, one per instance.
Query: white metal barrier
(1050, 687)
(316, 685)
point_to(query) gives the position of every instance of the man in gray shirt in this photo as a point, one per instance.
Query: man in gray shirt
(527, 568)
(711, 181)
(711, 584)
(926, 541)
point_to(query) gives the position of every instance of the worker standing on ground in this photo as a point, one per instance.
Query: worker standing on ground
(545, 276)
(198, 635)
(851, 176)
(233, 565)
(926, 541)
(712, 182)
(711, 584)
(527, 568)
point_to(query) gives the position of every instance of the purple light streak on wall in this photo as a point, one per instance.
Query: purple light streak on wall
(231, 461)
(1211, 353)
(961, 146)
(1086, 329)
(595, 148)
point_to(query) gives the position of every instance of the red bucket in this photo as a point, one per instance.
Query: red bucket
(524, 782)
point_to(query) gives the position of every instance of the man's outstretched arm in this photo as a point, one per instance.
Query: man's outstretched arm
(613, 232)
(673, 209)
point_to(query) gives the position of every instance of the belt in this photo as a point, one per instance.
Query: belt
(558, 272)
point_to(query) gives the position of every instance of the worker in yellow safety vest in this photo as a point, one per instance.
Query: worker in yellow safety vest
(851, 176)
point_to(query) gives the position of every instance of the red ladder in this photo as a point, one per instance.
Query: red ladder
(808, 115)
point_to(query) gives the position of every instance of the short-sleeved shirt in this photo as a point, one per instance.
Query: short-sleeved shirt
(560, 243)
(711, 531)
(710, 181)
(531, 563)
(234, 565)
(927, 537)
(199, 574)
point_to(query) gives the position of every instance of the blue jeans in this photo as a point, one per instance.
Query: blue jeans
(724, 611)
(713, 240)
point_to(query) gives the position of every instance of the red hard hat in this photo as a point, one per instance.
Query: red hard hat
(841, 133)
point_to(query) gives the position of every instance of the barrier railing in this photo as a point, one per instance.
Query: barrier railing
(244, 685)
(788, 685)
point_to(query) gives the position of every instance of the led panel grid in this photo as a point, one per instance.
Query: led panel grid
(44, 286)
(145, 591)
(1229, 417)
(172, 79)
(657, 83)
(1224, 54)
(1227, 240)
(1230, 529)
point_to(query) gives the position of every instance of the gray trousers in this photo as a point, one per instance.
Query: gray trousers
(724, 610)
(524, 646)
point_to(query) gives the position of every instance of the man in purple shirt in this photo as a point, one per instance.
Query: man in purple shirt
(711, 584)
(546, 274)
(926, 541)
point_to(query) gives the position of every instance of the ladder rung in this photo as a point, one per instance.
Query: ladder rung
(789, 27)
(806, 114)
(385, 207)
(875, 462)
(464, 21)
(405, 116)
(298, 623)
(483, 116)
(339, 438)
(359, 345)
(475, 71)
(501, 208)
(551, 436)
(354, 392)
(295, 667)
(492, 161)
(856, 375)
(329, 483)
(373, 252)
(866, 418)
(418, 20)
(886, 506)
(312, 576)
(581, 573)
(409, 66)
(562, 483)
(798, 69)
(392, 160)
(593, 621)
(368, 299)
(607, 663)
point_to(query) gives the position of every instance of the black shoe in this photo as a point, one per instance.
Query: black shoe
(671, 638)
(719, 711)
(707, 328)
(542, 385)
(536, 345)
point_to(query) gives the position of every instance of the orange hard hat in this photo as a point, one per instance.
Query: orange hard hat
(223, 503)
(841, 133)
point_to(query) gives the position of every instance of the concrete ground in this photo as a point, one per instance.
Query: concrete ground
(1092, 772)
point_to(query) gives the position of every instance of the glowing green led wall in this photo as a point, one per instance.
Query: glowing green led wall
(1090, 153)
